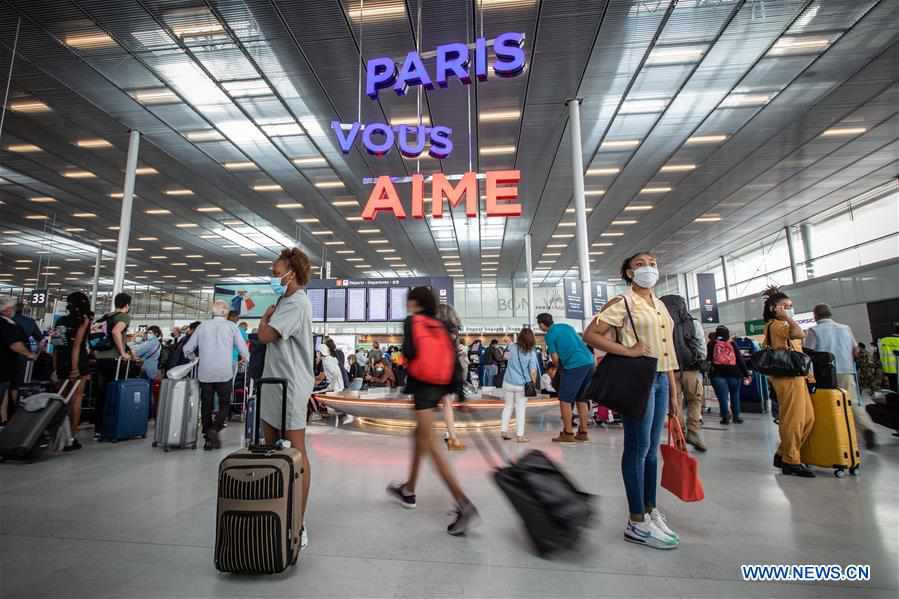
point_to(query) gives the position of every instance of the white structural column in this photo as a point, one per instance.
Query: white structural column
(96, 287)
(726, 282)
(580, 203)
(529, 264)
(791, 249)
(121, 256)
(805, 232)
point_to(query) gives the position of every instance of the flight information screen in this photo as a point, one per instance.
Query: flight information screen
(398, 302)
(336, 305)
(355, 305)
(317, 299)
(377, 304)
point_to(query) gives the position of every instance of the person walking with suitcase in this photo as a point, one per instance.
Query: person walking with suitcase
(797, 414)
(71, 353)
(109, 348)
(432, 362)
(644, 328)
(286, 331)
(837, 339)
(727, 370)
(215, 340)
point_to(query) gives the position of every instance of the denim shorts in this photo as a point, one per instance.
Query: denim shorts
(574, 383)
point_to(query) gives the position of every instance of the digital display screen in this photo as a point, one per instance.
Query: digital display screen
(398, 302)
(355, 305)
(317, 299)
(377, 304)
(336, 305)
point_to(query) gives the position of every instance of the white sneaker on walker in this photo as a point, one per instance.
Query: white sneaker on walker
(662, 524)
(648, 534)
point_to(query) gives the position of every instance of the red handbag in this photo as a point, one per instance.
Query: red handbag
(680, 470)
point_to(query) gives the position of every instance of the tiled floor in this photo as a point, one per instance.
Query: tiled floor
(127, 520)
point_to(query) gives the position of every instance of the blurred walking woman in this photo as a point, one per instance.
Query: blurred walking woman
(797, 415)
(654, 326)
(521, 369)
(286, 330)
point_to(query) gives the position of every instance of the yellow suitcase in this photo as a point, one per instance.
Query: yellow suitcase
(833, 442)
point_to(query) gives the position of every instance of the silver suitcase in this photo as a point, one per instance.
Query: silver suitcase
(178, 414)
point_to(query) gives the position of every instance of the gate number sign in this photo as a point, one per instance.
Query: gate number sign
(38, 297)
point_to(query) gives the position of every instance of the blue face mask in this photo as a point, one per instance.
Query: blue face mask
(277, 286)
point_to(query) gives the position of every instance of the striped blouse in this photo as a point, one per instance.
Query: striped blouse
(653, 323)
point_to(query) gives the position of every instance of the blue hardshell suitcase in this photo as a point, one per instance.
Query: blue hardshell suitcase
(126, 409)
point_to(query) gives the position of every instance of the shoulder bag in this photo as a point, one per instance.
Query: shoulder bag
(780, 362)
(530, 389)
(621, 383)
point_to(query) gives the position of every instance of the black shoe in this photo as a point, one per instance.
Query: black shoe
(725, 421)
(398, 492)
(738, 420)
(800, 470)
(870, 439)
(207, 446)
(466, 517)
(73, 446)
(778, 461)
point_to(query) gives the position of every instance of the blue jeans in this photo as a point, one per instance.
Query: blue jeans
(727, 387)
(640, 460)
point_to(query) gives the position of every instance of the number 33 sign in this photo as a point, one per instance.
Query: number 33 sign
(38, 297)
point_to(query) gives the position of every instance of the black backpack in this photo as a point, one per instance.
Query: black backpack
(686, 345)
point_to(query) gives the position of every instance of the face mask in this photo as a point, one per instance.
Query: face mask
(151, 335)
(646, 276)
(789, 312)
(277, 286)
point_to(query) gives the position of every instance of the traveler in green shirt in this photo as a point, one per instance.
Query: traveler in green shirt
(109, 350)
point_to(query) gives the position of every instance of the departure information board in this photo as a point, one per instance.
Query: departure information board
(377, 304)
(317, 299)
(355, 305)
(336, 305)
(398, 302)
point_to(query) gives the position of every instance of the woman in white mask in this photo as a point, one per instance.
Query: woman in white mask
(797, 414)
(654, 327)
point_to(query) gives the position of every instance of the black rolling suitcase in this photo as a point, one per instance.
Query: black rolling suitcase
(554, 511)
(29, 433)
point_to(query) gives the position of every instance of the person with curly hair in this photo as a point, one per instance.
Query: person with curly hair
(797, 414)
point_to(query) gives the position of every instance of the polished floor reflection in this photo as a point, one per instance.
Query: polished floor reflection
(126, 520)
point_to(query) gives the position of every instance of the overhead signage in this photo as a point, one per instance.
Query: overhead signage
(38, 297)
(574, 299)
(754, 327)
(708, 297)
(599, 297)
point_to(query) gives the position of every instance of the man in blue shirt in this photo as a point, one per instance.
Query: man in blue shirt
(576, 361)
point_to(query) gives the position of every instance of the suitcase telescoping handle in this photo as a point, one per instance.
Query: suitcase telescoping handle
(62, 389)
(259, 385)
(118, 364)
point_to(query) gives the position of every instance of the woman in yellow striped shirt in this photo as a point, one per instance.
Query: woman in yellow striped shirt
(654, 328)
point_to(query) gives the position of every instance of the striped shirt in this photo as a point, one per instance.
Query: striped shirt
(652, 321)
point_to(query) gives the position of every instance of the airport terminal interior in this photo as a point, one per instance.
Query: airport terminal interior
(562, 298)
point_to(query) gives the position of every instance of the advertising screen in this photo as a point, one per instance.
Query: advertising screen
(377, 304)
(398, 303)
(248, 300)
(355, 305)
(336, 305)
(317, 299)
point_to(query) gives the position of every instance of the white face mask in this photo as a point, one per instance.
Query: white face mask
(646, 276)
(789, 312)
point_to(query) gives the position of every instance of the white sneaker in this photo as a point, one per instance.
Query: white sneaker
(648, 534)
(662, 524)
(304, 539)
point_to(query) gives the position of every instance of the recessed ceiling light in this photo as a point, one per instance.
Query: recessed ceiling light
(354, 219)
(157, 211)
(93, 144)
(84, 215)
(208, 209)
(74, 230)
(611, 234)
(557, 245)
(379, 242)
(499, 115)
(353, 259)
(738, 100)
(85, 41)
(307, 220)
(552, 253)
(798, 45)
(567, 224)
(392, 258)
(656, 189)
(289, 205)
(603, 171)
(572, 210)
(78, 174)
(282, 129)
(178, 192)
(596, 253)
(363, 265)
(135, 249)
(28, 106)
(212, 263)
(148, 239)
(310, 161)
(232, 222)
(204, 135)
(674, 55)
(638, 208)
(563, 235)
(42, 200)
(595, 192)
(24, 148)
(209, 236)
(643, 106)
(240, 165)
(386, 251)
(172, 248)
(323, 232)
(155, 95)
(706, 139)
(495, 150)
(624, 222)
(178, 264)
(158, 257)
(113, 228)
(197, 270)
(369, 231)
(107, 240)
(709, 218)
(335, 243)
(378, 12)
(145, 170)
(267, 187)
(843, 131)
(619, 144)
(193, 256)
(341, 203)
(678, 168)
(329, 184)
(117, 195)
(187, 225)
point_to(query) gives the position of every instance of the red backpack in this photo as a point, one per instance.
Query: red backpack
(435, 358)
(724, 354)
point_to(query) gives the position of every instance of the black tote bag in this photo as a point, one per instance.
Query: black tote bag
(780, 362)
(623, 384)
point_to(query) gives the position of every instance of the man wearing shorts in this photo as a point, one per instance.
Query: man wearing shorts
(576, 362)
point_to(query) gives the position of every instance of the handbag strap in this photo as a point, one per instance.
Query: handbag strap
(631, 318)
(676, 433)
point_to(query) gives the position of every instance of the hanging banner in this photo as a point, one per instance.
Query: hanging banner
(708, 297)
(599, 297)
(574, 300)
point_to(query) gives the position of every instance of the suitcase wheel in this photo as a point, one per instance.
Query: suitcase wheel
(839, 472)
(854, 470)
(155, 444)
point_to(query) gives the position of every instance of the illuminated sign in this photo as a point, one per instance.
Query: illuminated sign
(452, 60)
